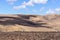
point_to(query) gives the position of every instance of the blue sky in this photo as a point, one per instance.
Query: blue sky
(29, 6)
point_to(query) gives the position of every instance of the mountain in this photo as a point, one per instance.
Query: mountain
(18, 22)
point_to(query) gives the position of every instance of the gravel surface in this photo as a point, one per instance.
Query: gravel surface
(29, 35)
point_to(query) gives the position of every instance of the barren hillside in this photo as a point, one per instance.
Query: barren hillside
(17, 22)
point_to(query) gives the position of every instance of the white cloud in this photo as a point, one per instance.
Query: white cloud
(57, 9)
(19, 7)
(11, 1)
(50, 11)
(23, 5)
(40, 1)
(30, 3)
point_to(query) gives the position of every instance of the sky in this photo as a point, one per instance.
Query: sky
(29, 6)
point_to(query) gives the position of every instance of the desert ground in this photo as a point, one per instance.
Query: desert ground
(19, 22)
(29, 35)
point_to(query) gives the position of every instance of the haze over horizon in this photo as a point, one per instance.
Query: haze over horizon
(29, 6)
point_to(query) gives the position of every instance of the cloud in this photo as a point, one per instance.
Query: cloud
(23, 5)
(30, 3)
(40, 1)
(11, 1)
(57, 9)
(19, 7)
(50, 11)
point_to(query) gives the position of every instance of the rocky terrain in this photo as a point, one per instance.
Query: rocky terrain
(18, 22)
(29, 35)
